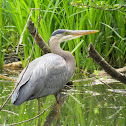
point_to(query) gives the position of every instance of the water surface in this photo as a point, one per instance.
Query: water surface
(88, 102)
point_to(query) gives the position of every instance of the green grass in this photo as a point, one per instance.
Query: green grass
(109, 42)
(1, 23)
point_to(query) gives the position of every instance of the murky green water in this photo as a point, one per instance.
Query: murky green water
(86, 103)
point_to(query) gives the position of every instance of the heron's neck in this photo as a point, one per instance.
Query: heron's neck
(70, 61)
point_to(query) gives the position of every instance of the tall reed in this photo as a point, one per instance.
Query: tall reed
(63, 15)
(1, 22)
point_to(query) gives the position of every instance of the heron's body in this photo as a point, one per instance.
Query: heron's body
(48, 74)
(45, 75)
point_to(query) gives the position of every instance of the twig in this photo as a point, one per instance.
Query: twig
(10, 112)
(115, 113)
(104, 83)
(108, 68)
(95, 77)
(31, 118)
(25, 68)
(20, 41)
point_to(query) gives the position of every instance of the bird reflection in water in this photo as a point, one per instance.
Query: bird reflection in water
(53, 113)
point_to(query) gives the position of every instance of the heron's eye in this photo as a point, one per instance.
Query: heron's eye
(66, 33)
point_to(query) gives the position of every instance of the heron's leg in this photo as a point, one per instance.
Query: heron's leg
(57, 96)
(58, 110)
(58, 106)
(38, 111)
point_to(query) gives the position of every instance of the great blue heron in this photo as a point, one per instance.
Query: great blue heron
(49, 73)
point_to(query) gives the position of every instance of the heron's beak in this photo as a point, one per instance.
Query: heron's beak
(82, 32)
(70, 34)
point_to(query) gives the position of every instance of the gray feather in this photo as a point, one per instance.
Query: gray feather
(45, 75)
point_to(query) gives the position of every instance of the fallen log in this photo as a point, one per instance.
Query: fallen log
(120, 70)
(7, 78)
(39, 40)
(13, 65)
(107, 67)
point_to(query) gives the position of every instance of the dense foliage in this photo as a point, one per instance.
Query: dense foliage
(107, 16)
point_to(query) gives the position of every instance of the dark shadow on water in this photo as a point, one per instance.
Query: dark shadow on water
(54, 114)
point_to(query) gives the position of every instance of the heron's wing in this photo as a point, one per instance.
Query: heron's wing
(42, 75)
(55, 79)
(24, 78)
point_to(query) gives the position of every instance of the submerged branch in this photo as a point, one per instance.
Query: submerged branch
(108, 68)
(31, 118)
(10, 112)
(39, 40)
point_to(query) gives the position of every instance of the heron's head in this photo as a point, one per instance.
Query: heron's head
(62, 35)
